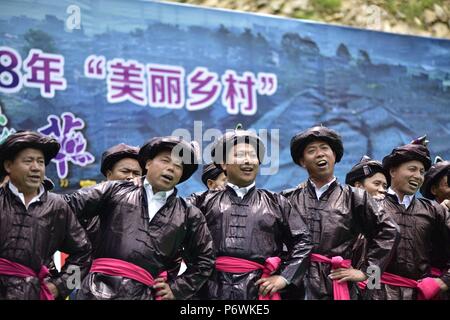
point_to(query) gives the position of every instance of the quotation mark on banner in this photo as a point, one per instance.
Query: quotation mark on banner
(94, 67)
(73, 21)
(267, 83)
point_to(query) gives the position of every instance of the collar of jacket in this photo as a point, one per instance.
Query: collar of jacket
(232, 192)
(312, 190)
(169, 200)
(394, 199)
(42, 198)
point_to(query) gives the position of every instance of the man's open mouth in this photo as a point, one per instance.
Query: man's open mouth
(167, 177)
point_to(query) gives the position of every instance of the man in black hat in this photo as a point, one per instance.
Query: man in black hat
(369, 175)
(146, 229)
(213, 177)
(3, 178)
(120, 162)
(424, 229)
(35, 223)
(436, 185)
(336, 215)
(250, 226)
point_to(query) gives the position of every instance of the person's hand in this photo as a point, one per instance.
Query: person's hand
(53, 289)
(441, 284)
(137, 181)
(379, 196)
(271, 285)
(350, 274)
(302, 185)
(446, 204)
(163, 290)
(4, 182)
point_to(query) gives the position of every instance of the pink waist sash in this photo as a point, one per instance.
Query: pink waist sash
(116, 267)
(340, 290)
(427, 288)
(9, 268)
(238, 265)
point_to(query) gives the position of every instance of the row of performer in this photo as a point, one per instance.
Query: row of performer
(133, 237)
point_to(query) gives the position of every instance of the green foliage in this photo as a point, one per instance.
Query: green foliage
(305, 15)
(411, 8)
(327, 6)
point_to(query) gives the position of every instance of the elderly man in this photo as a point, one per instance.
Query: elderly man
(35, 223)
(336, 215)
(146, 229)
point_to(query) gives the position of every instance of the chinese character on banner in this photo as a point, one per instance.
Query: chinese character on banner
(73, 144)
(10, 75)
(166, 86)
(239, 94)
(203, 89)
(3, 119)
(126, 81)
(44, 71)
(5, 131)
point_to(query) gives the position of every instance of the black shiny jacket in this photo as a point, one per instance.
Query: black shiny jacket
(253, 228)
(424, 243)
(177, 230)
(31, 237)
(335, 221)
